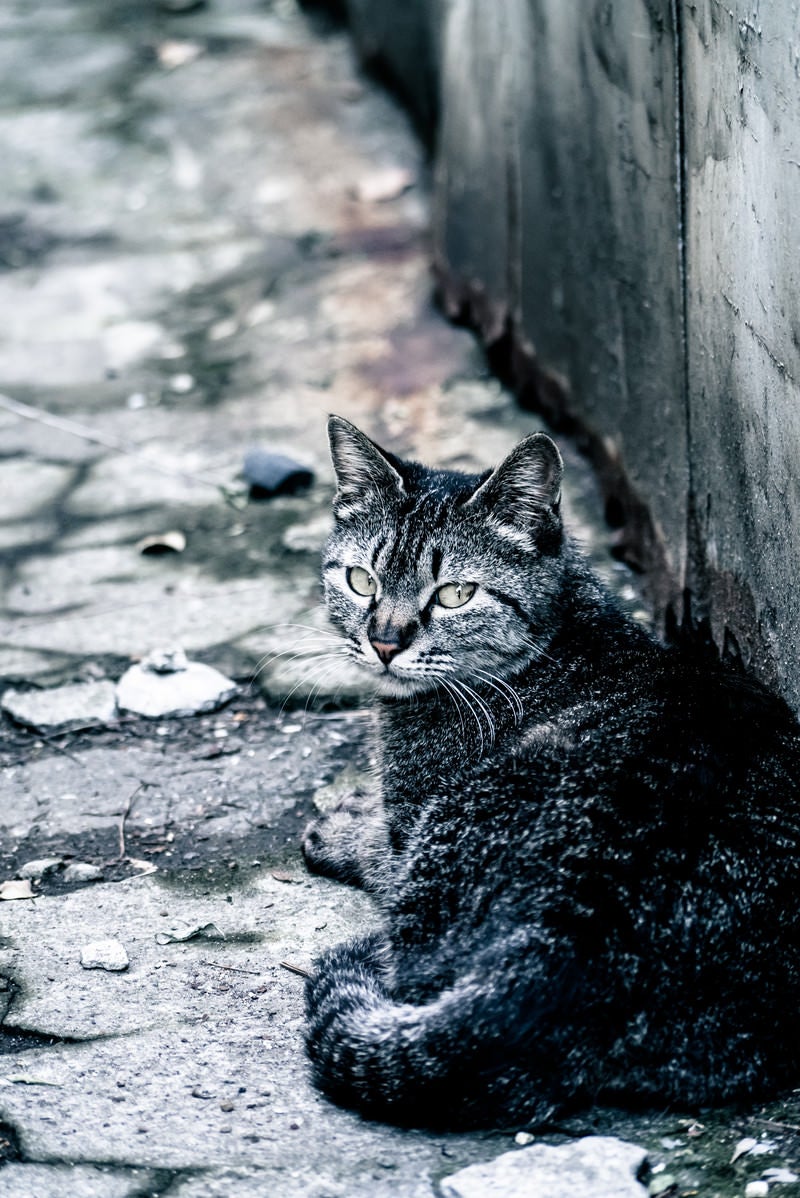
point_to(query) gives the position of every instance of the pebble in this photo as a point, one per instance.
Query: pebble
(38, 869)
(756, 1189)
(181, 383)
(307, 538)
(593, 1167)
(78, 705)
(271, 474)
(165, 684)
(82, 871)
(105, 954)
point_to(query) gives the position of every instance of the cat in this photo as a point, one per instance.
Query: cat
(584, 845)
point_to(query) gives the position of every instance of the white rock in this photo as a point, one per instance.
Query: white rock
(594, 1167)
(38, 869)
(62, 707)
(82, 871)
(756, 1189)
(166, 684)
(105, 954)
(309, 537)
(14, 889)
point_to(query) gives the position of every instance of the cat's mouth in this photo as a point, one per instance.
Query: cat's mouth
(398, 686)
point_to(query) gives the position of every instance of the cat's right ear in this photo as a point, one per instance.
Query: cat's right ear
(362, 469)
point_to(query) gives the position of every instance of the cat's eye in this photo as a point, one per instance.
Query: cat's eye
(455, 594)
(361, 581)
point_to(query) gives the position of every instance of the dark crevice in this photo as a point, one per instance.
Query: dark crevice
(637, 542)
(156, 1183)
(10, 1149)
(21, 1039)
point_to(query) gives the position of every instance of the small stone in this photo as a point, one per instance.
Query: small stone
(36, 870)
(594, 1167)
(165, 684)
(173, 541)
(223, 329)
(180, 6)
(383, 185)
(105, 954)
(663, 1184)
(181, 384)
(523, 1138)
(82, 871)
(272, 474)
(307, 538)
(756, 1189)
(172, 54)
(78, 705)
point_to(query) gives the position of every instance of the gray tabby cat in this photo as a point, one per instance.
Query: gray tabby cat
(585, 846)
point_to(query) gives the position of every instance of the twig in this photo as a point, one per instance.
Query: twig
(774, 1123)
(298, 969)
(231, 968)
(126, 810)
(73, 429)
(48, 740)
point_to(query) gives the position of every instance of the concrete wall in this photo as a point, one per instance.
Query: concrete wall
(742, 142)
(618, 211)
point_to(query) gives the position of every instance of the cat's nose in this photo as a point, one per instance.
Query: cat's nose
(386, 650)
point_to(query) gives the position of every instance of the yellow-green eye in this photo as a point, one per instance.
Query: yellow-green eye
(361, 581)
(455, 594)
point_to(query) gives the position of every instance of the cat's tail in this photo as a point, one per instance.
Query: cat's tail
(479, 1053)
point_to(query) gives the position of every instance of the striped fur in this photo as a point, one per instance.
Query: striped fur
(584, 846)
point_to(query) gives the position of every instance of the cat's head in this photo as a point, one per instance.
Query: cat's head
(434, 576)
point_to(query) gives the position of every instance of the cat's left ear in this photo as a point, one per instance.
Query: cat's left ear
(524, 492)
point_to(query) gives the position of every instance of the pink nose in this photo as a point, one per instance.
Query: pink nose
(386, 650)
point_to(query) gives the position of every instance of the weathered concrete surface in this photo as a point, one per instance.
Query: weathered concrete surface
(189, 273)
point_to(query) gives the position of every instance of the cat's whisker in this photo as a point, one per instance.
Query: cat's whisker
(461, 688)
(538, 651)
(506, 691)
(333, 656)
(484, 708)
(288, 656)
(325, 675)
(454, 699)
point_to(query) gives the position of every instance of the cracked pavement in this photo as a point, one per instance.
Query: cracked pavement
(212, 233)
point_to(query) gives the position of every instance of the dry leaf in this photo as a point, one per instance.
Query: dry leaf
(191, 931)
(14, 889)
(743, 1147)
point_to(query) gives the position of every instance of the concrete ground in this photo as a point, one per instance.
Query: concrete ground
(212, 233)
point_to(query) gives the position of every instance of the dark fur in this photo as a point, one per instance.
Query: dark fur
(598, 898)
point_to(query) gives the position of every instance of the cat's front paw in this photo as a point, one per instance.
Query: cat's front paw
(331, 844)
